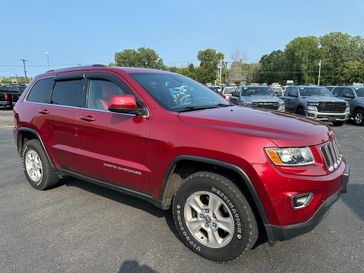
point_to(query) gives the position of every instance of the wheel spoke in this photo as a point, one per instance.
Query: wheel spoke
(226, 224)
(195, 225)
(195, 204)
(214, 203)
(213, 237)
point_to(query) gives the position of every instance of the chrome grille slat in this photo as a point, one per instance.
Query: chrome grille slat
(332, 155)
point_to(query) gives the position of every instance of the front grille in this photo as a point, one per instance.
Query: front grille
(332, 155)
(266, 105)
(331, 107)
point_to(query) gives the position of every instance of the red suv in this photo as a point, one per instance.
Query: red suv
(229, 173)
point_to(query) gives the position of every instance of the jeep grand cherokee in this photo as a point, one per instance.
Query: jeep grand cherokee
(158, 136)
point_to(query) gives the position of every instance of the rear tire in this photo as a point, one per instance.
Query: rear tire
(359, 117)
(213, 217)
(37, 168)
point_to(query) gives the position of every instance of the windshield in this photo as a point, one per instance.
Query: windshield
(360, 92)
(257, 91)
(315, 91)
(178, 93)
(229, 90)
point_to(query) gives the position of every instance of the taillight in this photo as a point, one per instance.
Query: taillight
(227, 97)
(6, 97)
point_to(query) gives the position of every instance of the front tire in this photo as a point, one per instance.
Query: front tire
(338, 123)
(359, 117)
(213, 217)
(38, 170)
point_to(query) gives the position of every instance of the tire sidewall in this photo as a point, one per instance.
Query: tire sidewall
(238, 205)
(357, 112)
(28, 147)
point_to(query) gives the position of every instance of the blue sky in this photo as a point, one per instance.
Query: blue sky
(84, 32)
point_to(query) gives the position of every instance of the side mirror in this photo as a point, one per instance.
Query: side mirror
(349, 96)
(123, 104)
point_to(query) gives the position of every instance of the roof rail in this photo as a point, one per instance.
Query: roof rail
(74, 67)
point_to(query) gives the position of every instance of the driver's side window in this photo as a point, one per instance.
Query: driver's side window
(348, 93)
(292, 92)
(99, 93)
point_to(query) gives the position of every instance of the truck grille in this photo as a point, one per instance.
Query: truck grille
(332, 155)
(332, 107)
(266, 105)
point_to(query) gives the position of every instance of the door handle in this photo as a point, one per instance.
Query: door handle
(43, 111)
(87, 118)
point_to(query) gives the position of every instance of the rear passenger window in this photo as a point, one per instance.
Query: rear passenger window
(69, 93)
(41, 91)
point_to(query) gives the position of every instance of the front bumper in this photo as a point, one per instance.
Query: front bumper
(327, 116)
(280, 233)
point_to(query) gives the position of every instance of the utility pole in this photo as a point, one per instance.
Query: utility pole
(319, 73)
(25, 71)
(220, 71)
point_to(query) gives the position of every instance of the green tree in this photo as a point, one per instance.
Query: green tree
(302, 56)
(209, 61)
(338, 51)
(272, 67)
(350, 72)
(142, 57)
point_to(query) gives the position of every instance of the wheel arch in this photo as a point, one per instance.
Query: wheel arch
(23, 135)
(184, 165)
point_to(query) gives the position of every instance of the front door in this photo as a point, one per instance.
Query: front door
(114, 146)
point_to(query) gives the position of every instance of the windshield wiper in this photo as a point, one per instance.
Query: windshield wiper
(194, 108)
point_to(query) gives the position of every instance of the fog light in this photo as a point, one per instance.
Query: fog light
(300, 201)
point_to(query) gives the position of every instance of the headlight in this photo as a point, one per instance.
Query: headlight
(290, 156)
(312, 106)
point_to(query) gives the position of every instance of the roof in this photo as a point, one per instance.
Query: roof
(101, 66)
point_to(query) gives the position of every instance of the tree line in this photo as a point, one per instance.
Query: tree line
(340, 56)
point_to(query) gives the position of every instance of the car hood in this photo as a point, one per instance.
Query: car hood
(283, 129)
(322, 98)
(251, 99)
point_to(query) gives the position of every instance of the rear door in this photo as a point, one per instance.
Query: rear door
(114, 147)
(61, 116)
(53, 103)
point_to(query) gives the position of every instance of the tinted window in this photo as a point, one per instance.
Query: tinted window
(68, 93)
(100, 92)
(360, 92)
(338, 92)
(348, 92)
(292, 92)
(41, 91)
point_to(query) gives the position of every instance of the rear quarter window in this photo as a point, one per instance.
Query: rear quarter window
(41, 91)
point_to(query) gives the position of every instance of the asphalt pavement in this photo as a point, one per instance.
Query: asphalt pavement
(80, 227)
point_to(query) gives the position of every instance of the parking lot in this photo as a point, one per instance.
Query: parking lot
(80, 227)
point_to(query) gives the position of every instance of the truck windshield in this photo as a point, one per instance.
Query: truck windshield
(178, 93)
(257, 91)
(360, 92)
(315, 91)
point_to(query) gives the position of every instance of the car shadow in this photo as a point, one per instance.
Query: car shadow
(125, 199)
(132, 266)
(354, 199)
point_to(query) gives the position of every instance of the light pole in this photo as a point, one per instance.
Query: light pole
(25, 71)
(319, 73)
(47, 55)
